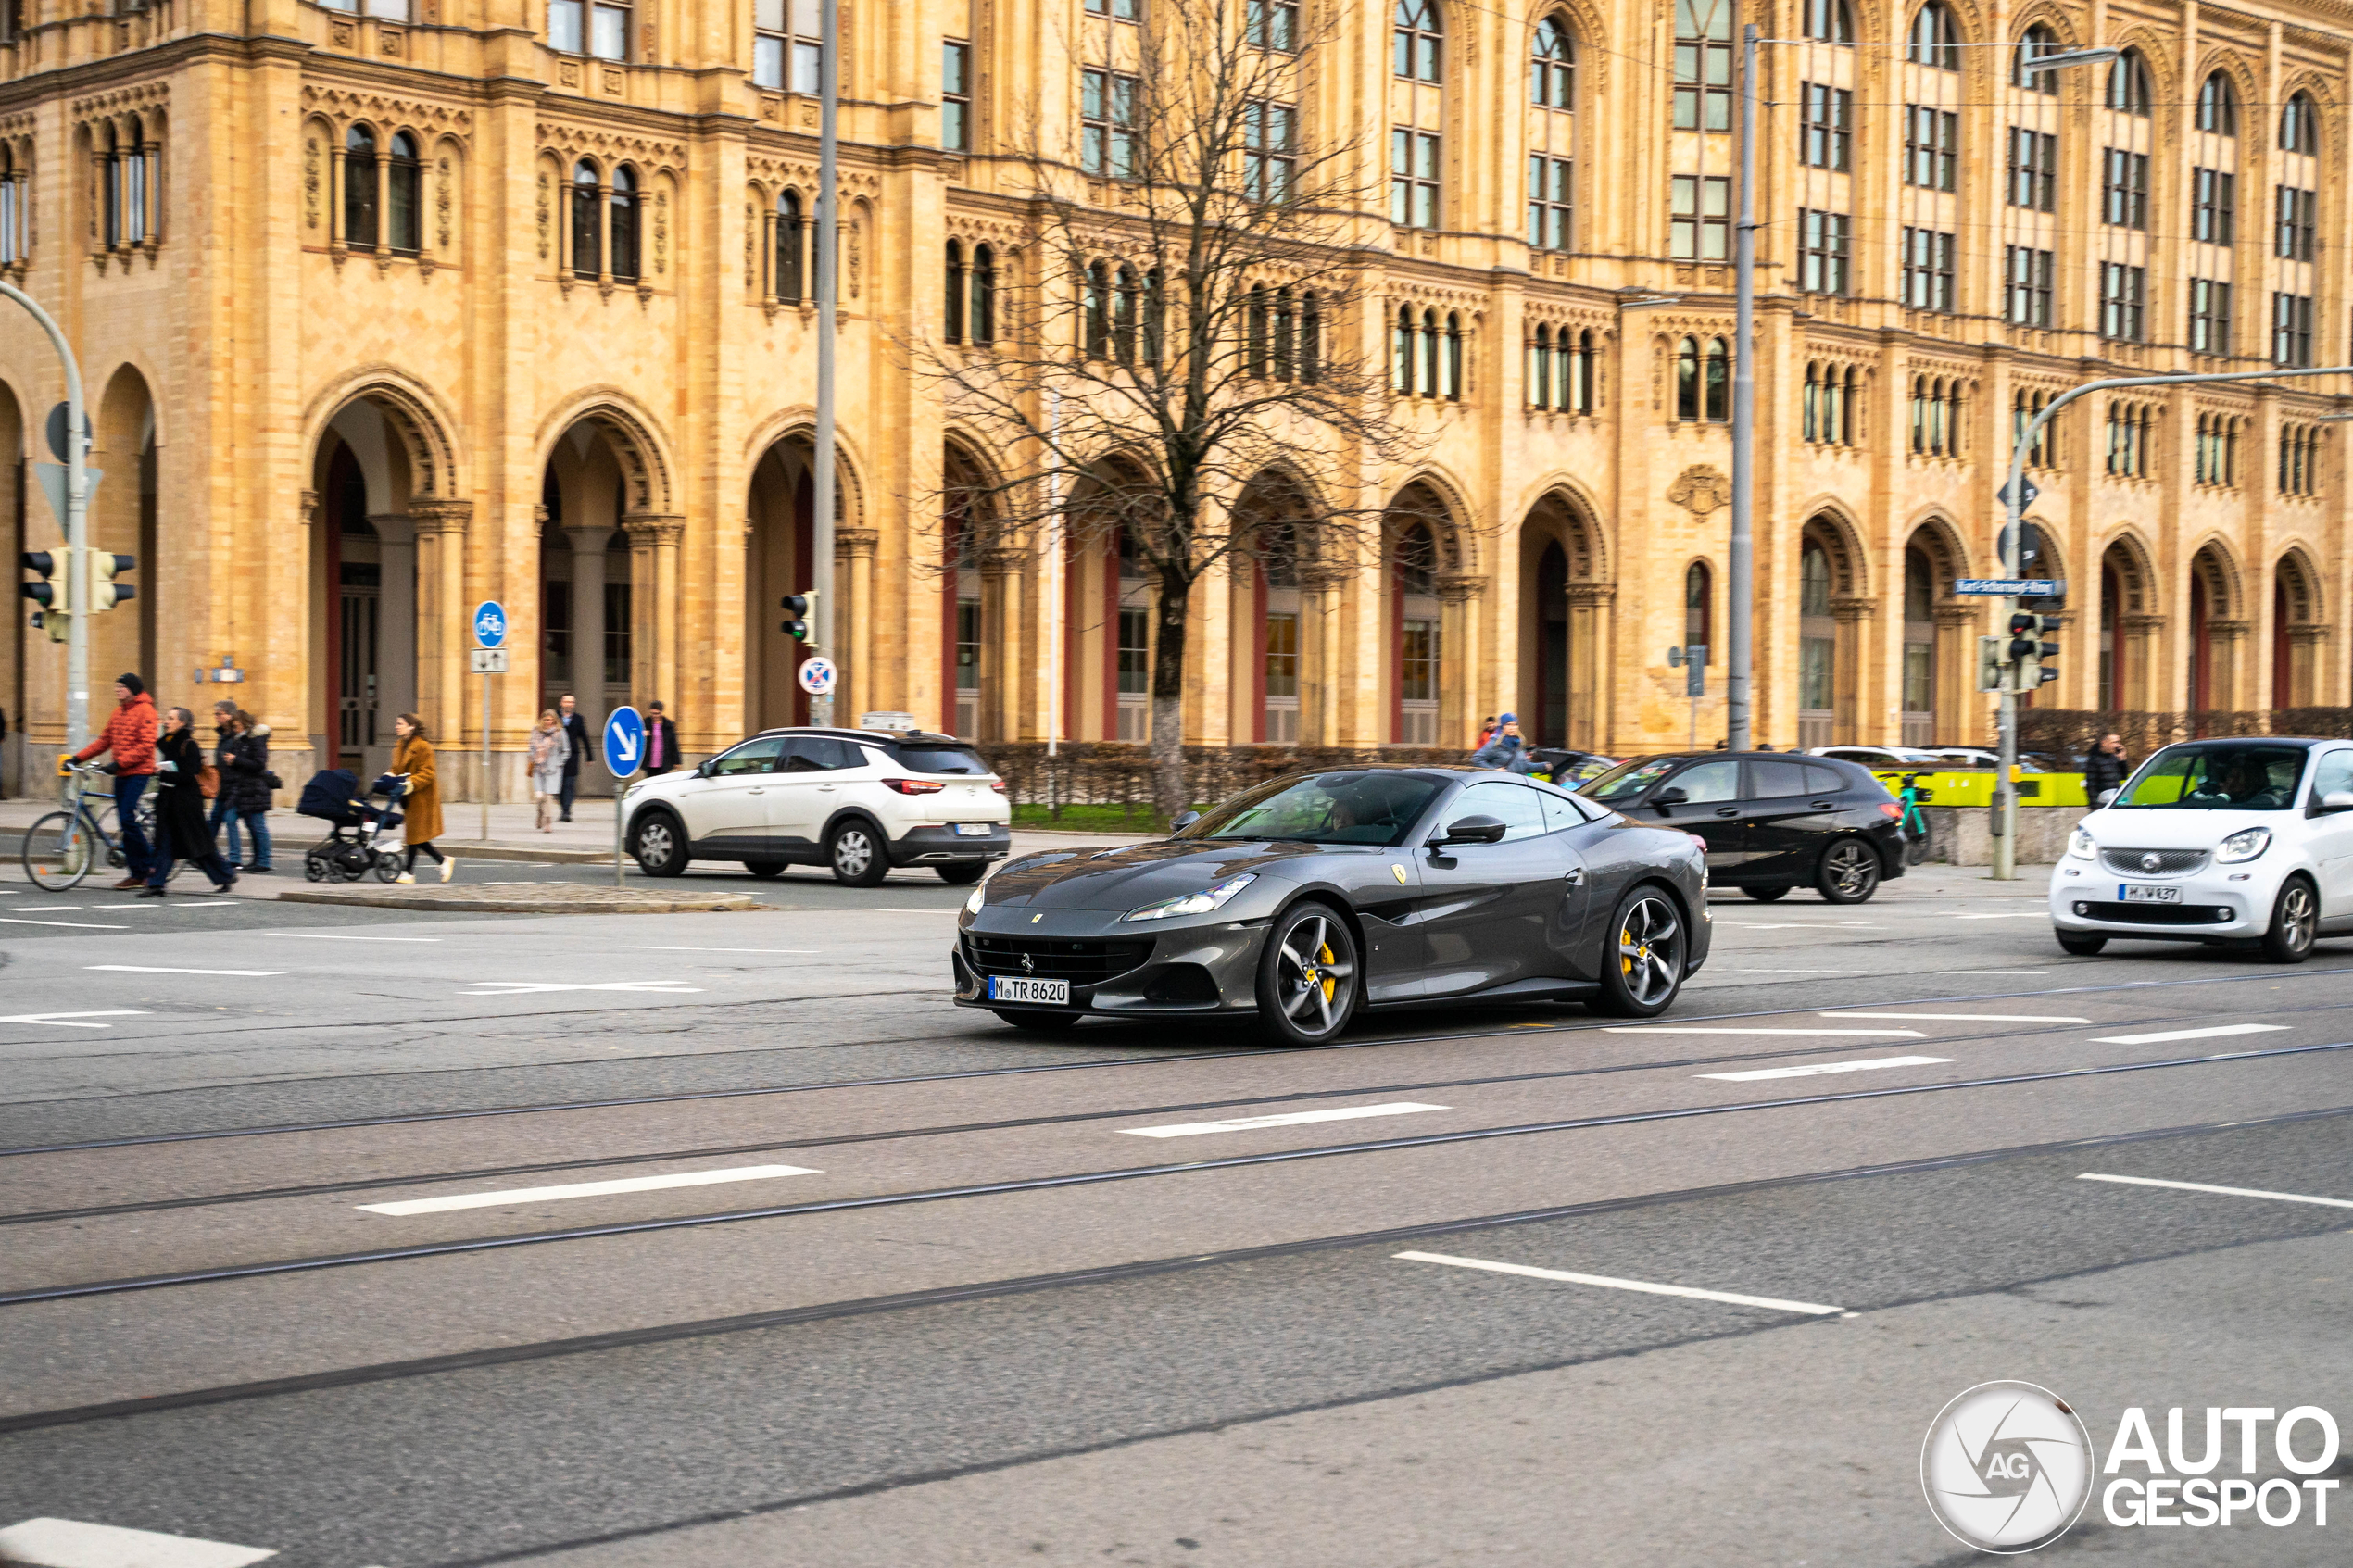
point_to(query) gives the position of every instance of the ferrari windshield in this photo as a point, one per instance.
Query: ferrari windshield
(1352, 808)
(2250, 776)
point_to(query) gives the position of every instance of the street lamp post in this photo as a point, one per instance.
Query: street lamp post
(820, 574)
(77, 522)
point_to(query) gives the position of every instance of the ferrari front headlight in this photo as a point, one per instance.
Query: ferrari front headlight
(1207, 901)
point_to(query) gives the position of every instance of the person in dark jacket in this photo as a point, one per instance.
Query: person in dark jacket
(131, 737)
(244, 788)
(575, 731)
(2107, 768)
(180, 813)
(661, 741)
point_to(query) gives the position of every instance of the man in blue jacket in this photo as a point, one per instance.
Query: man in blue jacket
(1507, 750)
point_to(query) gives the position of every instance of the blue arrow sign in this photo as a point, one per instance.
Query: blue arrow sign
(2008, 587)
(490, 623)
(624, 742)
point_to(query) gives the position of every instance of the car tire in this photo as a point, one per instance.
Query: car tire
(1309, 977)
(1849, 873)
(2295, 919)
(1022, 1017)
(964, 873)
(1643, 958)
(2082, 947)
(659, 843)
(1767, 895)
(765, 869)
(858, 855)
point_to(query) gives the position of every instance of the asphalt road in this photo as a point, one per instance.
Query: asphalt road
(294, 1257)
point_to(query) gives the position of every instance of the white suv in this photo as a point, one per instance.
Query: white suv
(860, 801)
(2217, 841)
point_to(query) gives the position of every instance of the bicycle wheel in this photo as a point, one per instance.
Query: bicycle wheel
(58, 850)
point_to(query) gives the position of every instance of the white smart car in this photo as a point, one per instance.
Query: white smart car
(859, 801)
(2217, 841)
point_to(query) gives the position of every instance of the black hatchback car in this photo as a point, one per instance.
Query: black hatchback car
(1772, 820)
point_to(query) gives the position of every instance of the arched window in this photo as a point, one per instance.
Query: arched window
(1687, 380)
(1125, 309)
(1097, 324)
(12, 211)
(139, 167)
(1414, 580)
(1829, 20)
(1552, 67)
(1579, 359)
(1919, 413)
(1934, 39)
(109, 154)
(2037, 42)
(954, 326)
(983, 318)
(1401, 353)
(1451, 367)
(1539, 369)
(1310, 338)
(1428, 386)
(2218, 105)
(1155, 318)
(1810, 409)
(1719, 381)
(1286, 337)
(1417, 38)
(1698, 595)
(1255, 327)
(789, 272)
(587, 234)
(404, 193)
(625, 224)
(2299, 125)
(358, 188)
(2128, 84)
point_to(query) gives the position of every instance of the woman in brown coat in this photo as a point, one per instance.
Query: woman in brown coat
(412, 756)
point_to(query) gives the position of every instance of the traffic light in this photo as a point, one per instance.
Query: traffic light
(2032, 659)
(1990, 664)
(800, 616)
(105, 592)
(53, 592)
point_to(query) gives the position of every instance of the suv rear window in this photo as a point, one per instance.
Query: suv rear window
(938, 759)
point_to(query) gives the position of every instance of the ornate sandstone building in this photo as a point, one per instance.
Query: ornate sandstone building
(389, 305)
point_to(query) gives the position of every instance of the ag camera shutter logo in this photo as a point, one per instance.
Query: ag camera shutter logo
(2007, 1467)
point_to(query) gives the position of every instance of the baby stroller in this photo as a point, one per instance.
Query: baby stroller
(363, 838)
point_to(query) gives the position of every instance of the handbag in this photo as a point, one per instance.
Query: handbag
(209, 780)
(271, 780)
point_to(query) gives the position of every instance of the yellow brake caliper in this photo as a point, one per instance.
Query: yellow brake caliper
(1625, 964)
(1324, 954)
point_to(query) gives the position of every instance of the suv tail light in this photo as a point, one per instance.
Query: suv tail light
(914, 786)
(1889, 809)
(997, 784)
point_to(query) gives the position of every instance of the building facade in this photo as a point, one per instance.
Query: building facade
(389, 305)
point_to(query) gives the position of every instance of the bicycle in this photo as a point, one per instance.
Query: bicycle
(65, 846)
(1915, 821)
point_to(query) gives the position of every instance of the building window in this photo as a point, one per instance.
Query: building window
(2213, 206)
(1135, 651)
(587, 232)
(786, 269)
(981, 319)
(1096, 323)
(1823, 242)
(788, 44)
(2295, 235)
(1703, 381)
(2026, 273)
(1560, 370)
(1107, 123)
(404, 193)
(1548, 206)
(2043, 453)
(617, 641)
(1932, 146)
(1118, 11)
(1829, 21)
(1417, 670)
(1450, 383)
(2218, 106)
(1401, 353)
(2209, 316)
(1833, 399)
(956, 97)
(1417, 42)
(359, 188)
(2292, 329)
(2299, 459)
(623, 209)
(1703, 64)
(1412, 178)
(2128, 84)
(2132, 430)
(2218, 450)
(1826, 126)
(2123, 294)
(2125, 188)
(2300, 126)
(15, 240)
(1552, 67)
(2037, 42)
(953, 328)
(1270, 147)
(1936, 416)
(1699, 225)
(1274, 24)
(1933, 40)
(2033, 169)
(1928, 270)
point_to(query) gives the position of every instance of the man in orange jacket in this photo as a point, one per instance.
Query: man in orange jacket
(130, 735)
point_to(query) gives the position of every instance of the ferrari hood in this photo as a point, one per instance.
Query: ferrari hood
(1128, 878)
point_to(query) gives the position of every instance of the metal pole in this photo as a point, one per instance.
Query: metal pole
(1736, 709)
(820, 709)
(486, 757)
(1051, 569)
(77, 531)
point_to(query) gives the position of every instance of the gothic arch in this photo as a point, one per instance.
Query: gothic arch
(2046, 14)
(1835, 528)
(1932, 531)
(413, 411)
(1432, 501)
(2216, 564)
(2136, 569)
(645, 463)
(2305, 588)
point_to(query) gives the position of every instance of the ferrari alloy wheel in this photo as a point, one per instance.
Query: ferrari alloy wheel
(1307, 984)
(1643, 977)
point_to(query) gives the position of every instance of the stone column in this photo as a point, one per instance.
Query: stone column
(2307, 645)
(856, 617)
(999, 644)
(441, 611)
(588, 621)
(2228, 665)
(1854, 616)
(2141, 636)
(1588, 608)
(1960, 709)
(653, 553)
(1458, 601)
(1320, 604)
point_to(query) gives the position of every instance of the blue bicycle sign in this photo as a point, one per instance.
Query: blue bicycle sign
(490, 623)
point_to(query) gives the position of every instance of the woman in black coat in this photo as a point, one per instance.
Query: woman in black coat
(244, 788)
(180, 809)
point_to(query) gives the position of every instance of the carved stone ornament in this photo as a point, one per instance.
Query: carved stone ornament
(1700, 489)
(542, 215)
(310, 158)
(441, 205)
(661, 233)
(568, 73)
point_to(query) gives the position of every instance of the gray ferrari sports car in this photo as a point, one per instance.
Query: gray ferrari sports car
(1318, 894)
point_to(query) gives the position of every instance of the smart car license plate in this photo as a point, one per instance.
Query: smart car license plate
(972, 830)
(2128, 894)
(1013, 988)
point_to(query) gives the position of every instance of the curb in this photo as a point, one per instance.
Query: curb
(517, 904)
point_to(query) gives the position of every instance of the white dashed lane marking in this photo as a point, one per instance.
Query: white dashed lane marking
(1816, 1069)
(1284, 1119)
(2214, 1033)
(1808, 1033)
(1967, 1017)
(150, 969)
(1775, 1303)
(584, 1189)
(70, 1543)
(68, 1020)
(2226, 1192)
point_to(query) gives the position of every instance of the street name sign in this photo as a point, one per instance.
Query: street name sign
(2008, 587)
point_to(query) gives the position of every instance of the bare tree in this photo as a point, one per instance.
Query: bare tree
(1186, 359)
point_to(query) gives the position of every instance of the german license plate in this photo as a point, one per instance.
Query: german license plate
(1014, 988)
(973, 830)
(2128, 894)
